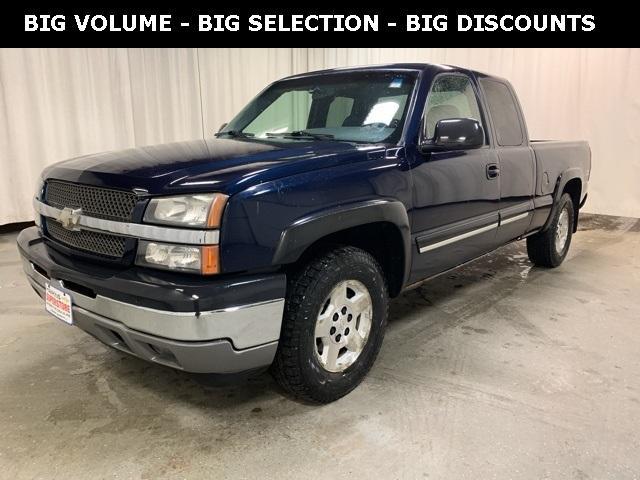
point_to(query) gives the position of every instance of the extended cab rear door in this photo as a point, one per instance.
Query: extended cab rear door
(515, 158)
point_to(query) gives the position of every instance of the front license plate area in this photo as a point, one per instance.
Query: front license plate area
(58, 303)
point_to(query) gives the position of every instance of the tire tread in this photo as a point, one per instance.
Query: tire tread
(541, 246)
(286, 368)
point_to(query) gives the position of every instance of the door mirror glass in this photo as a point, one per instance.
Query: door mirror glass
(456, 134)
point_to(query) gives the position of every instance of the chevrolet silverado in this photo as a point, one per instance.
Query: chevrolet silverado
(279, 241)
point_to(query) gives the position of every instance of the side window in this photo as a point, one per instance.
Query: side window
(288, 113)
(504, 113)
(451, 96)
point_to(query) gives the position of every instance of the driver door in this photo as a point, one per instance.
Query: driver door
(456, 197)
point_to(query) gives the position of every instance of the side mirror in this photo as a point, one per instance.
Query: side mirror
(222, 126)
(456, 134)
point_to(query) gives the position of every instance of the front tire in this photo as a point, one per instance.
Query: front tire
(549, 248)
(333, 325)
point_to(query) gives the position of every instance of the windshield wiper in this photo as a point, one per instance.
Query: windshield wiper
(302, 133)
(234, 133)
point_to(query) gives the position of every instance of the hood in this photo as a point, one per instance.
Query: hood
(220, 165)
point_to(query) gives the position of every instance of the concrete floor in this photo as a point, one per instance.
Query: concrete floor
(497, 370)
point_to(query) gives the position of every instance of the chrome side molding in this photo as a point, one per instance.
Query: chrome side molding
(514, 218)
(471, 233)
(457, 238)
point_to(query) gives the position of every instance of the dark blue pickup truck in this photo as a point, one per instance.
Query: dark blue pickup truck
(280, 241)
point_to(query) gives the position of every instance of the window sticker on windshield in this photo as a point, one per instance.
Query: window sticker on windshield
(396, 83)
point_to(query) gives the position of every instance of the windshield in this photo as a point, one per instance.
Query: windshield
(361, 107)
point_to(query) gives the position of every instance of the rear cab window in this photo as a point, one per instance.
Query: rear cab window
(504, 113)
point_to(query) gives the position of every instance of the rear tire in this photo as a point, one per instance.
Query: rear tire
(549, 248)
(333, 325)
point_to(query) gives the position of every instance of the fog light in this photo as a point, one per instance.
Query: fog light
(185, 258)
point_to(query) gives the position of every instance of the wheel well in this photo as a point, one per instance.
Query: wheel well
(382, 240)
(574, 189)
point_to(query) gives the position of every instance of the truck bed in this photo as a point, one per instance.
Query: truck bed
(555, 157)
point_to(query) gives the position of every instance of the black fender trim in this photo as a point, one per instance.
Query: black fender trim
(296, 238)
(563, 179)
(584, 200)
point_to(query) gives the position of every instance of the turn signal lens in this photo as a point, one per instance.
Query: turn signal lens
(210, 263)
(216, 210)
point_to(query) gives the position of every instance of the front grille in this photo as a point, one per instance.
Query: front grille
(102, 244)
(94, 201)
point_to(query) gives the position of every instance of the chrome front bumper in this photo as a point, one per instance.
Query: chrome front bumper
(229, 340)
(245, 325)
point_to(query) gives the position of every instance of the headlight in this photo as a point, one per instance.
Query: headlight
(202, 210)
(186, 258)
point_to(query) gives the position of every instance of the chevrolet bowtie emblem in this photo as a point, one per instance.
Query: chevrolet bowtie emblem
(69, 218)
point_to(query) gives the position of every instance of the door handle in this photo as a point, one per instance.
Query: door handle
(492, 170)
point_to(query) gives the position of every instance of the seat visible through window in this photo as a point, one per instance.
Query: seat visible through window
(440, 112)
(451, 96)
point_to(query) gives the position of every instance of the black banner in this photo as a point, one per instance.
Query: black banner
(322, 24)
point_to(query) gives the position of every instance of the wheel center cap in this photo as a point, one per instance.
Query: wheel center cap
(342, 324)
(344, 319)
